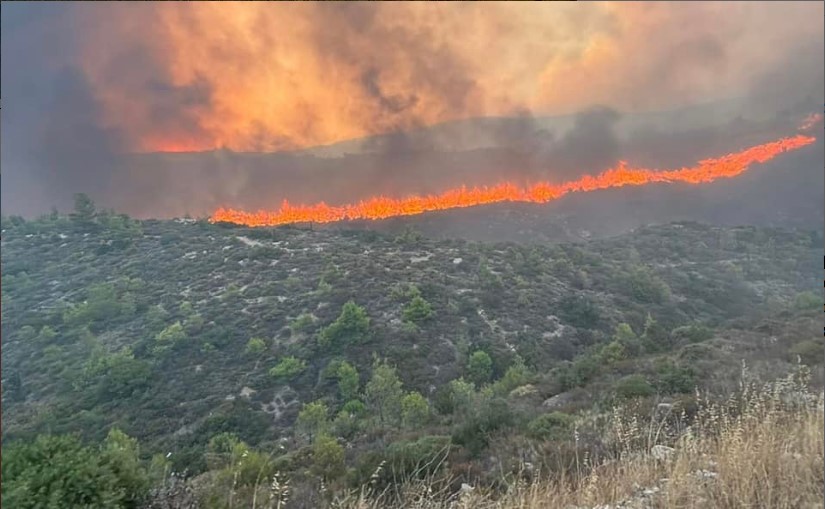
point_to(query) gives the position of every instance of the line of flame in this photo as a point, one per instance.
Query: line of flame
(382, 207)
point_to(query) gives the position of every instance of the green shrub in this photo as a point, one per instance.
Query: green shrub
(327, 457)
(384, 392)
(312, 419)
(634, 386)
(172, 335)
(644, 286)
(676, 379)
(415, 411)
(552, 426)
(418, 310)
(480, 367)
(807, 300)
(255, 346)
(288, 367)
(58, 471)
(691, 333)
(351, 326)
(810, 352)
(303, 323)
(348, 381)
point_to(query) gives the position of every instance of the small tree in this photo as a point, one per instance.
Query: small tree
(515, 376)
(414, 410)
(84, 209)
(629, 342)
(327, 457)
(351, 326)
(348, 381)
(255, 346)
(384, 391)
(418, 310)
(480, 367)
(312, 419)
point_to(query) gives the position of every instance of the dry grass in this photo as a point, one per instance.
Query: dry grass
(760, 448)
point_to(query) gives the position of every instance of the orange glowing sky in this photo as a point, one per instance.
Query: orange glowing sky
(261, 76)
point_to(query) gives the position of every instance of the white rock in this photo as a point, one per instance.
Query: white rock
(661, 452)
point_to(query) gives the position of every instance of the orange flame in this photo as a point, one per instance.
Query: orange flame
(382, 207)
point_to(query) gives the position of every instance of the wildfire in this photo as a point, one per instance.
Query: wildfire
(382, 207)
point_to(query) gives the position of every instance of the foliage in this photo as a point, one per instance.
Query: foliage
(58, 471)
(384, 392)
(807, 300)
(644, 286)
(351, 326)
(691, 333)
(255, 346)
(288, 367)
(809, 351)
(516, 375)
(480, 367)
(634, 386)
(327, 457)
(313, 419)
(84, 209)
(551, 426)
(303, 323)
(673, 378)
(414, 410)
(348, 381)
(418, 310)
(171, 335)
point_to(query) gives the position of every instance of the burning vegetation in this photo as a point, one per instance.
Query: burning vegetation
(382, 207)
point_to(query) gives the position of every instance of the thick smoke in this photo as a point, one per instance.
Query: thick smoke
(87, 102)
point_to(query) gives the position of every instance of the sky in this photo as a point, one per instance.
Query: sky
(91, 90)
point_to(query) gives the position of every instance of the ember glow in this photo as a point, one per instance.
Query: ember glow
(382, 207)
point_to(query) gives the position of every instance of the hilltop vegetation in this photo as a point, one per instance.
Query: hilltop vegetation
(359, 358)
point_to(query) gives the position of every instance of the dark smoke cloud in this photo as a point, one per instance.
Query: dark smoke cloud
(58, 138)
(54, 143)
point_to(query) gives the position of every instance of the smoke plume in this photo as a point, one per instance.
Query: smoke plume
(437, 95)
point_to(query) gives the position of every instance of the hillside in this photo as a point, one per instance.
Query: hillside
(179, 331)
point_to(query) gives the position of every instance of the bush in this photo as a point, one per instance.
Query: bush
(417, 311)
(255, 346)
(480, 367)
(552, 426)
(807, 301)
(692, 333)
(171, 336)
(644, 286)
(58, 471)
(327, 457)
(351, 326)
(415, 411)
(288, 367)
(303, 323)
(348, 381)
(676, 379)
(634, 386)
(312, 419)
(579, 311)
(810, 352)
